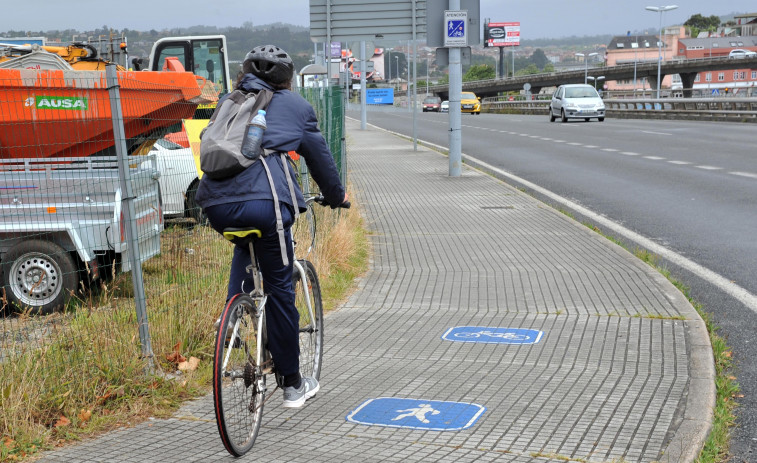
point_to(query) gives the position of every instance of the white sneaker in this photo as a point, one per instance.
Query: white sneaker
(295, 398)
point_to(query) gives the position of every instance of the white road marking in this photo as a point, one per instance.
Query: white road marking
(744, 174)
(680, 163)
(609, 150)
(656, 133)
(708, 167)
(591, 146)
(629, 153)
(654, 158)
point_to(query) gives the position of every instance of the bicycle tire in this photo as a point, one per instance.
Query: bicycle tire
(239, 387)
(311, 327)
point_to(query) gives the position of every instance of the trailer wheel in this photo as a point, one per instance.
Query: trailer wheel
(38, 276)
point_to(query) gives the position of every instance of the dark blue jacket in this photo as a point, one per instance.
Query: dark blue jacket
(291, 126)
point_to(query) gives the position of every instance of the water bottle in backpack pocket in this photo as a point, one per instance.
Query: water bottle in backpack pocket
(251, 147)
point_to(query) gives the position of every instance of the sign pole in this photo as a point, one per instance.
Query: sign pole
(415, 83)
(363, 72)
(455, 92)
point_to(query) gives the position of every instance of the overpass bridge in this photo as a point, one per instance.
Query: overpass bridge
(687, 69)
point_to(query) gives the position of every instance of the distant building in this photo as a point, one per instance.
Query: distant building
(637, 49)
(746, 24)
(736, 80)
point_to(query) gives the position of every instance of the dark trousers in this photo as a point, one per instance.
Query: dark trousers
(282, 318)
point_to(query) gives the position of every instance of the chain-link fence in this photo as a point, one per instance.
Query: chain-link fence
(328, 103)
(77, 226)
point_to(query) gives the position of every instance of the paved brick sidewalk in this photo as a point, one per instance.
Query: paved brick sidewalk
(591, 356)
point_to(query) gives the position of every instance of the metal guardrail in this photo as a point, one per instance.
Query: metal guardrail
(705, 109)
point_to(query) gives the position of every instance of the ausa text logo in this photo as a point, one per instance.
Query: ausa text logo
(58, 102)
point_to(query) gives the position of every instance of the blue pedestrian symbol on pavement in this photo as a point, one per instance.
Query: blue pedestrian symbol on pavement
(488, 335)
(432, 415)
(456, 28)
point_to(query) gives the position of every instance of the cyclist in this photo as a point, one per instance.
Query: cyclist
(246, 200)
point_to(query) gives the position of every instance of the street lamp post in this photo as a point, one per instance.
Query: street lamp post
(586, 64)
(427, 76)
(661, 10)
(595, 79)
(635, 60)
(397, 77)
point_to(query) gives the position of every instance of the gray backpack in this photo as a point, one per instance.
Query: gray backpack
(221, 141)
(221, 148)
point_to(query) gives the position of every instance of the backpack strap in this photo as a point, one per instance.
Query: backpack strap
(262, 99)
(277, 204)
(285, 164)
(277, 208)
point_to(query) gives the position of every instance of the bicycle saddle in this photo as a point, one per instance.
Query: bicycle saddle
(241, 236)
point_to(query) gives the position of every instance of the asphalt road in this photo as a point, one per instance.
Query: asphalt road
(690, 187)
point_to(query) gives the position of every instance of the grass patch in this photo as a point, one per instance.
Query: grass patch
(80, 373)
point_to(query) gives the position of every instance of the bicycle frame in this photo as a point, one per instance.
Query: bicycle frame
(260, 298)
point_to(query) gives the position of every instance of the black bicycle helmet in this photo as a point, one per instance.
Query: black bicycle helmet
(270, 63)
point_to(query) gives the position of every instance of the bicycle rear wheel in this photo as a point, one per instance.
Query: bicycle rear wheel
(238, 382)
(311, 319)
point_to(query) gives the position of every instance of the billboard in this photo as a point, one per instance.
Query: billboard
(379, 96)
(23, 40)
(502, 34)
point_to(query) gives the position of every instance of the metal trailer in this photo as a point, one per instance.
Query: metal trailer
(61, 224)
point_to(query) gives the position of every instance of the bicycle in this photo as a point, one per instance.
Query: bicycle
(241, 361)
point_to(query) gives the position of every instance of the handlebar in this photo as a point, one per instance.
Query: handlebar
(322, 201)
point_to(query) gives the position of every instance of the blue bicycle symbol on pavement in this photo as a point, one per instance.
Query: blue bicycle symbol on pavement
(489, 335)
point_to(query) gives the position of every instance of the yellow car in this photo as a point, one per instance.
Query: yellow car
(470, 103)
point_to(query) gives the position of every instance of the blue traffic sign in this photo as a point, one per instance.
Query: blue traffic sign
(456, 28)
(489, 335)
(431, 415)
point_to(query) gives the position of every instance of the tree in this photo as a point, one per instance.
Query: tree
(539, 58)
(530, 69)
(699, 23)
(479, 72)
(703, 23)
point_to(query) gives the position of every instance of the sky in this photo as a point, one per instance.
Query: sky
(538, 18)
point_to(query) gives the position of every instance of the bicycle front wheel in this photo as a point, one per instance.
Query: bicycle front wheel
(238, 381)
(307, 291)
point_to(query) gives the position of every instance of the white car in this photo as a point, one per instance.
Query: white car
(741, 53)
(178, 179)
(576, 101)
(444, 107)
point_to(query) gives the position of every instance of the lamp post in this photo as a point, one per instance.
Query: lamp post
(586, 64)
(595, 79)
(397, 77)
(661, 10)
(427, 76)
(635, 46)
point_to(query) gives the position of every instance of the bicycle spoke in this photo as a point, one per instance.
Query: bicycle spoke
(238, 383)
(309, 305)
